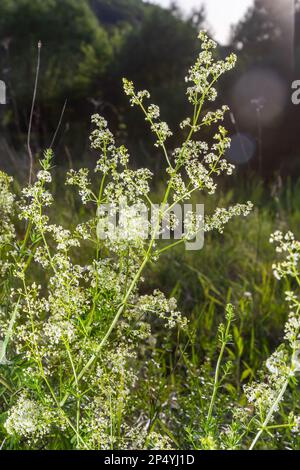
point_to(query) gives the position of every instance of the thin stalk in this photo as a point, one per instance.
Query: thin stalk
(217, 372)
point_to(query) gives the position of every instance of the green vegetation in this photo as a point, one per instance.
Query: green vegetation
(92, 355)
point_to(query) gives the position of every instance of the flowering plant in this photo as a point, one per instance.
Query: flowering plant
(71, 333)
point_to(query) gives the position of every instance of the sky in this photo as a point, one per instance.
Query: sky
(221, 14)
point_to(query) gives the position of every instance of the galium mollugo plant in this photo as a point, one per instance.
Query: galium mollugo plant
(267, 415)
(71, 333)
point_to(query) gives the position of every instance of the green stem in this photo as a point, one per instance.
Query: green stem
(217, 373)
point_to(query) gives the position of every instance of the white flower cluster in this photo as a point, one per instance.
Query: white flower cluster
(124, 225)
(136, 98)
(193, 223)
(215, 116)
(57, 331)
(129, 184)
(288, 247)
(36, 196)
(199, 164)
